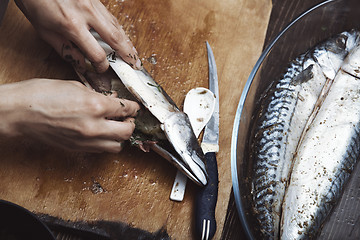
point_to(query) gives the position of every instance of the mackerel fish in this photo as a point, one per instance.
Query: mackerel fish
(160, 125)
(287, 109)
(326, 156)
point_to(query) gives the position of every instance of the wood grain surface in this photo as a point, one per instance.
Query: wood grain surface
(133, 187)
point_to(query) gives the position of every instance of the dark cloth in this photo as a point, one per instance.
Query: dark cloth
(3, 5)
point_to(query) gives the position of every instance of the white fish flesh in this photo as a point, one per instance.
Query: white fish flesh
(287, 108)
(326, 157)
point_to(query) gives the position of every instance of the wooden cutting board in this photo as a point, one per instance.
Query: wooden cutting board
(133, 187)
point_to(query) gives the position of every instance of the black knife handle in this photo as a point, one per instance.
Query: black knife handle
(205, 223)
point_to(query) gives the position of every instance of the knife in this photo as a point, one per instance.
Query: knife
(205, 222)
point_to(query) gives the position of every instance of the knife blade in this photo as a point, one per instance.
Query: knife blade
(205, 222)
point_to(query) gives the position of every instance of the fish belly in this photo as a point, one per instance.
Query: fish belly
(326, 156)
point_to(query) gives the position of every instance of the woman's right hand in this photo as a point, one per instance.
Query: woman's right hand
(66, 114)
(66, 24)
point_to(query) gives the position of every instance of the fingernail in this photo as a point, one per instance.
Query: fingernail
(138, 64)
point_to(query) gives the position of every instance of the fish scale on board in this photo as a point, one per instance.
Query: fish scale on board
(288, 108)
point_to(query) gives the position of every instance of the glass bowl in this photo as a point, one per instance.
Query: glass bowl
(313, 26)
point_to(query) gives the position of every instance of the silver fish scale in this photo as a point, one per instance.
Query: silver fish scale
(285, 111)
(275, 141)
(270, 142)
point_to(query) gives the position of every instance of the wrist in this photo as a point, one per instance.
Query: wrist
(10, 110)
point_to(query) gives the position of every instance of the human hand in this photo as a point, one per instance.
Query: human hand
(65, 25)
(66, 114)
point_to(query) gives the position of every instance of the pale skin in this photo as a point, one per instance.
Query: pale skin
(65, 23)
(65, 113)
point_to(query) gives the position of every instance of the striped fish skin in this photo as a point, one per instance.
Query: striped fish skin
(285, 110)
(269, 144)
(326, 157)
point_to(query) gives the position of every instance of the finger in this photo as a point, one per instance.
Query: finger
(98, 146)
(120, 108)
(106, 129)
(120, 42)
(101, 145)
(114, 35)
(73, 44)
(90, 48)
(118, 130)
(66, 49)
